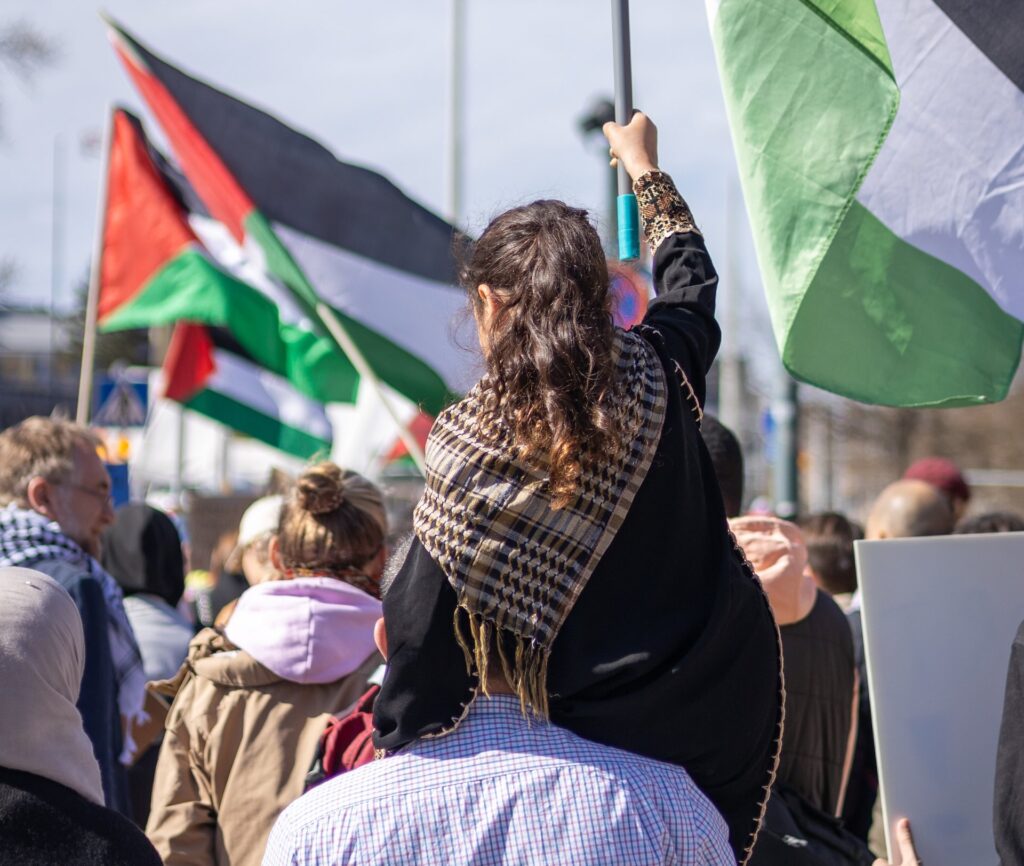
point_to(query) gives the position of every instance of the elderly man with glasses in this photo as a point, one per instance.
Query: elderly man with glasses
(54, 505)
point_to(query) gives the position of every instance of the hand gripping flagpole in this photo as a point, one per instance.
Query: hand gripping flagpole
(626, 208)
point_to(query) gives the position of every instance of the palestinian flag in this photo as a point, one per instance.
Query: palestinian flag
(879, 147)
(330, 232)
(207, 371)
(156, 270)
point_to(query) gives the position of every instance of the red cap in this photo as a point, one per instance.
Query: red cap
(941, 473)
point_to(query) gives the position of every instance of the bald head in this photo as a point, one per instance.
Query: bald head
(909, 509)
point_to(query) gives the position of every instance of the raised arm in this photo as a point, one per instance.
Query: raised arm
(684, 277)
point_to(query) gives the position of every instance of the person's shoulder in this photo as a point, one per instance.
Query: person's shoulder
(628, 768)
(82, 585)
(334, 799)
(69, 574)
(831, 616)
(75, 821)
(662, 795)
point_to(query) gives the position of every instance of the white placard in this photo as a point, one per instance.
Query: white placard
(940, 616)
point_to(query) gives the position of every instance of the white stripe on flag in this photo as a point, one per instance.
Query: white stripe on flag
(248, 264)
(417, 314)
(949, 177)
(267, 393)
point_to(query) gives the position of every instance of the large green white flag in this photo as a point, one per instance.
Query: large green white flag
(881, 150)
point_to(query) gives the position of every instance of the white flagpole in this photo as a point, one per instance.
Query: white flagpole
(348, 346)
(453, 204)
(92, 301)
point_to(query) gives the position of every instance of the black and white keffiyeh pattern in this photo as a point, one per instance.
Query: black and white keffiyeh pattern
(27, 538)
(517, 564)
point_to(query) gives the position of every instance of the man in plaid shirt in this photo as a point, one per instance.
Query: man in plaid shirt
(503, 788)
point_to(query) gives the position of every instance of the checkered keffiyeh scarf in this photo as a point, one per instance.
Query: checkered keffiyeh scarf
(516, 564)
(27, 538)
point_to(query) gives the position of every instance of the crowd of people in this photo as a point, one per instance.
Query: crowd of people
(584, 651)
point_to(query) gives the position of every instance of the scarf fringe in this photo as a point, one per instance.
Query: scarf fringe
(486, 642)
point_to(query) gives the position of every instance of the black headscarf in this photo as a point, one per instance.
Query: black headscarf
(142, 552)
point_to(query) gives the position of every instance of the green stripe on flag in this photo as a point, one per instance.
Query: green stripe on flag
(191, 288)
(251, 422)
(809, 110)
(858, 19)
(880, 310)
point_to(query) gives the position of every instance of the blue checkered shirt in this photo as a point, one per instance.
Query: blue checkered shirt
(501, 790)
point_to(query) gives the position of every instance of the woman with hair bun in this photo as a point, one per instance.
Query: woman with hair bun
(251, 702)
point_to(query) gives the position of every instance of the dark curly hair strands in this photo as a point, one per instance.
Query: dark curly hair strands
(550, 363)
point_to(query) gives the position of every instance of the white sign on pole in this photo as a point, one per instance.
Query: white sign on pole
(940, 616)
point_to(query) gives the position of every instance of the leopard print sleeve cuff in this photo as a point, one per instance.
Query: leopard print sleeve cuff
(662, 209)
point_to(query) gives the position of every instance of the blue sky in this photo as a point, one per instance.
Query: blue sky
(369, 80)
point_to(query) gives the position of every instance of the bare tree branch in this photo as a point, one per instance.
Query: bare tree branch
(24, 50)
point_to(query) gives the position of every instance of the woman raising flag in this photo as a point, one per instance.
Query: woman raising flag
(572, 531)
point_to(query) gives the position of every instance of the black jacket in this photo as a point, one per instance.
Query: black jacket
(97, 700)
(671, 650)
(43, 823)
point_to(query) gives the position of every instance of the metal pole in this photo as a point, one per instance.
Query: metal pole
(179, 458)
(730, 379)
(453, 203)
(92, 300)
(628, 219)
(785, 414)
(56, 245)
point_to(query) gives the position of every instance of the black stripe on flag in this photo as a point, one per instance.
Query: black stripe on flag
(223, 339)
(175, 179)
(296, 181)
(996, 27)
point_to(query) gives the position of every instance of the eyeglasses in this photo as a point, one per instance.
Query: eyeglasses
(105, 498)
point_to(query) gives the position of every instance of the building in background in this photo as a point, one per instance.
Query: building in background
(38, 369)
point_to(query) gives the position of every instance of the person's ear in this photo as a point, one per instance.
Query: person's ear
(380, 637)
(40, 497)
(490, 301)
(274, 552)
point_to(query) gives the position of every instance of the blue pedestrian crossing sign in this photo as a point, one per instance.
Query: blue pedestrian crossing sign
(122, 403)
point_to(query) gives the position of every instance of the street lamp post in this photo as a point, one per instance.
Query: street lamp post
(590, 126)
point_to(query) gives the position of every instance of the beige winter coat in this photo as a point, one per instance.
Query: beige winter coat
(239, 741)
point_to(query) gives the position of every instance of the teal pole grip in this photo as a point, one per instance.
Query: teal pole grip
(629, 228)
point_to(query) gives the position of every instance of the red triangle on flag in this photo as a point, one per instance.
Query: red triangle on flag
(143, 227)
(189, 362)
(420, 427)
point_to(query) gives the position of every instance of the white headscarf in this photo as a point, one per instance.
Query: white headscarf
(42, 658)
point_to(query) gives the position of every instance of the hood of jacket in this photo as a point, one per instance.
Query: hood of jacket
(306, 630)
(777, 551)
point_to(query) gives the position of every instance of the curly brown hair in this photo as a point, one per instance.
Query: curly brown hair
(550, 361)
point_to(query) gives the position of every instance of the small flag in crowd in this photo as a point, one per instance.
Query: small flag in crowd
(273, 371)
(328, 231)
(207, 371)
(879, 147)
